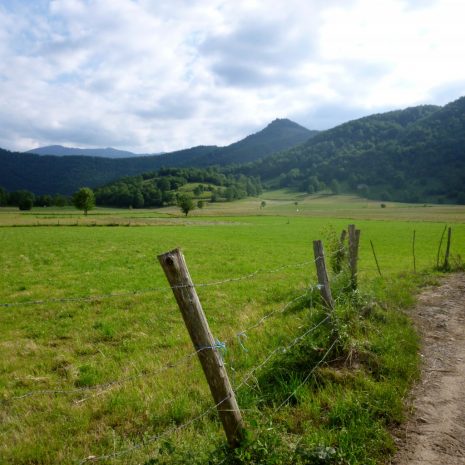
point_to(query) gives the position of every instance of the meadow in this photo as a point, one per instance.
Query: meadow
(97, 365)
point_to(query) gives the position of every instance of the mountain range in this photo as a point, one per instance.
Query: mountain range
(47, 174)
(416, 155)
(61, 151)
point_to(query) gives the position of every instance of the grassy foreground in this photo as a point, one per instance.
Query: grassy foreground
(322, 395)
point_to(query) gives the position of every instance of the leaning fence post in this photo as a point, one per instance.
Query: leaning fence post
(323, 280)
(175, 268)
(354, 239)
(376, 259)
(413, 252)
(446, 256)
(440, 246)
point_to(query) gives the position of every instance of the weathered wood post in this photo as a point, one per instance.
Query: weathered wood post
(175, 268)
(343, 237)
(340, 253)
(446, 256)
(354, 239)
(323, 280)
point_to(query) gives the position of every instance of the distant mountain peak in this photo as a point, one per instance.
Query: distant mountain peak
(284, 123)
(60, 150)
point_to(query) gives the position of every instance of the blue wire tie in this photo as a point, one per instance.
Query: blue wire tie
(221, 346)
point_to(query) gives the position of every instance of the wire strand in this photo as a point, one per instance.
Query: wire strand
(281, 349)
(159, 289)
(111, 384)
(151, 439)
(308, 376)
(154, 438)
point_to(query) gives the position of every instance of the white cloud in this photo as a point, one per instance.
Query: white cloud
(157, 76)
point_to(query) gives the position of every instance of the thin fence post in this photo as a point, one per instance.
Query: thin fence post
(343, 237)
(440, 246)
(446, 256)
(376, 259)
(413, 252)
(323, 280)
(354, 239)
(340, 253)
(175, 268)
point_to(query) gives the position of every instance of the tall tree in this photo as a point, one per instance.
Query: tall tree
(185, 203)
(26, 200)
(84, 199)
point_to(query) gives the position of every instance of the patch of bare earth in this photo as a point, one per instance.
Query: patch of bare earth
(435, 433)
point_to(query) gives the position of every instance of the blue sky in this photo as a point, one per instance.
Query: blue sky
(155, 75)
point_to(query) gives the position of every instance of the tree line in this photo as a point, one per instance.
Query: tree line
(25, 200)
(162, 187)
(153, 189)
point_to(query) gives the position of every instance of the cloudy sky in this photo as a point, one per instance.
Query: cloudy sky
(160, 75)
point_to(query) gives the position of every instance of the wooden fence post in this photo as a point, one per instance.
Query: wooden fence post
(446, 256)
(354, 239)
(343, 237)
(440, 246)
(340, 253)
(376, 259)
(323, 281)
(413, 251)
(175, 268)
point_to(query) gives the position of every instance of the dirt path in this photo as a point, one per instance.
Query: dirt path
(436, 432)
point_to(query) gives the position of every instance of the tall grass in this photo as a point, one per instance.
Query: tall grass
(340, 413)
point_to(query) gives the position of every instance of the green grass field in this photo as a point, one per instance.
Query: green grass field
(134, 338)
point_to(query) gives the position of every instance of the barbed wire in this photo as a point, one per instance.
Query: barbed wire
(151, 439)
(281, 349)
(274, 312)
(246, 378)
(108, 385)
(307, 376)
(84, 298)
(161, 288)
(150, 289)
(111, 384)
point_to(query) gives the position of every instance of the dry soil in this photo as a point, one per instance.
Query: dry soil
(435, 433)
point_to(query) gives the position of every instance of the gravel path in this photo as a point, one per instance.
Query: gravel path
(435, 434)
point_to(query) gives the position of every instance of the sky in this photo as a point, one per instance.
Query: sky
(155, 76)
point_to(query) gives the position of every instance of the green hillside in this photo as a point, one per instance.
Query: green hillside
(281, 134)
(43, 174)
(162, 188)
(52, 174)
(413, 155)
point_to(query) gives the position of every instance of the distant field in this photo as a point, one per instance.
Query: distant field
(278, 203)
(76, 344)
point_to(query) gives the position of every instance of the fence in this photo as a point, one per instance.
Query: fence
(208, 349)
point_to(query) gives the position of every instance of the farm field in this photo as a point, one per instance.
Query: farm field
(278, 203)
(96, 362)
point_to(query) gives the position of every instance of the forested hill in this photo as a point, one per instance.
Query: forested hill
(281, 134)
(50, 174)
(414, 155)
(417, 154)
(163, 187)
(44, 174)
